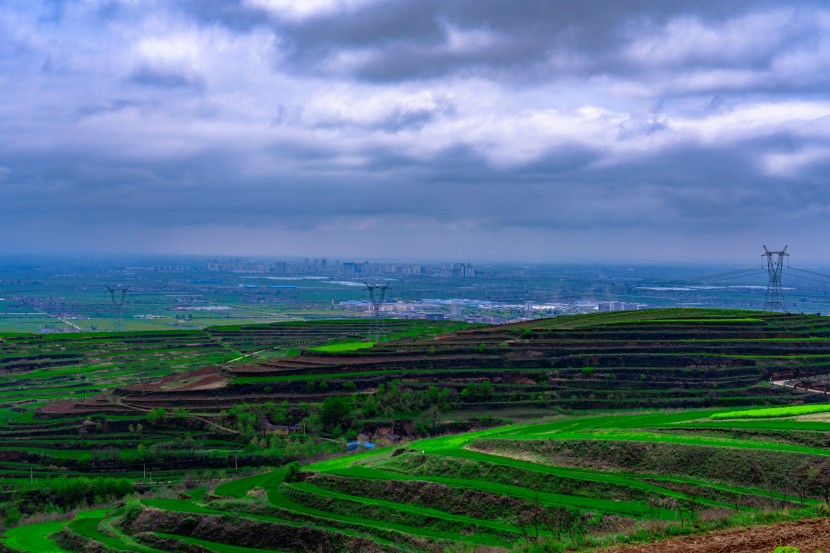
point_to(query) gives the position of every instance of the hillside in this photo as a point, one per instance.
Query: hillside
(581, 482)
(659, 358)
(608, 438)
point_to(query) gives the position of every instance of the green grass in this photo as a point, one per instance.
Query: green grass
(34, 537)
(343, 347)
(774, 412)
(241, 486)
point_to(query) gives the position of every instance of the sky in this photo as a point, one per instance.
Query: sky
(474, 130)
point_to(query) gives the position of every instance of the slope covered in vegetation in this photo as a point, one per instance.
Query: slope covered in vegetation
(578, 473)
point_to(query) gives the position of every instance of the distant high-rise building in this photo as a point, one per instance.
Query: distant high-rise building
(462, 270)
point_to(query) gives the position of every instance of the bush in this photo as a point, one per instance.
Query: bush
(293, 470)
(156, 416)
(12, 517)
(131, 510)
(189, 523)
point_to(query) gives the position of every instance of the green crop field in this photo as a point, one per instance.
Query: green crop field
(340, 348)
(792, 411)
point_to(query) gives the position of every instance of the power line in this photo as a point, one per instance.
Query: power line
(740, 273)
(817, 281)
(810, 272)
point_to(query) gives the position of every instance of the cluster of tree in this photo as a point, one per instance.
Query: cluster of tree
(242, 418)
(481, 391)
(178, 418)
(342, 416)
(246, 418)
(63, 494)
(164, 452)
(290, 447)
(394, 398)
(561, 522)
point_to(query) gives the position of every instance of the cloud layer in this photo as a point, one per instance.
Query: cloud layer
(476, 129)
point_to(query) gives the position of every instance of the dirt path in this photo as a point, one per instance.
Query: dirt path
(786, 384)
(810, 536)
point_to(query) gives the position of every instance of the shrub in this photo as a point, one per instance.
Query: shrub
(293, 470)
(156, 416)
(12, 517)
(131, 510)
(189, 523)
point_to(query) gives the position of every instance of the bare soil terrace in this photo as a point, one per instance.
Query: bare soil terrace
(810, 536)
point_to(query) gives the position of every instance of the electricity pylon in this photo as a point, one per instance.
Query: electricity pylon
(775, 293)
(118, 296)
(377, 293)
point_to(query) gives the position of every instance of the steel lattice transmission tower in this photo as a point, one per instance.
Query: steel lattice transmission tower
(118, 296)
(775, 293)
(377, 293)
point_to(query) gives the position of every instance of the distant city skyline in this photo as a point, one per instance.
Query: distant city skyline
(555, 131)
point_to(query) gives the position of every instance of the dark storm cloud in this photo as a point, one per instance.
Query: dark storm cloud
(540, 39)
(560, 193)
(480, 127)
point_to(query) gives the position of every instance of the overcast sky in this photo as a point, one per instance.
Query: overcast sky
(539, 130)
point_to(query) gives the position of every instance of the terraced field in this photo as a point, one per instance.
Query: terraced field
(652, 359)
(621, 446)
(577, 481)
(38, 369)
(678, 358)
(62, 411)
(660, 358)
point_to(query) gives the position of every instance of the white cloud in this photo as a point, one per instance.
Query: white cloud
(790, 164)
(172, 52)
(346, 105)
(302, 9)
(689, 39)
(757, 120)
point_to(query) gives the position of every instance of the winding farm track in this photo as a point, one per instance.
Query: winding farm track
(785, 384)
(808, 536)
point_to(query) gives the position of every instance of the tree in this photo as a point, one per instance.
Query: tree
(800, 479)
(432, 416)
(336, 411)
(156, 417)
(821, 478)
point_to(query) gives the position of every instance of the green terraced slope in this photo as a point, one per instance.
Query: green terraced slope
(576, 480)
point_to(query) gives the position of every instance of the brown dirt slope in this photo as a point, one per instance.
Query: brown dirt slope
(810, 536)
